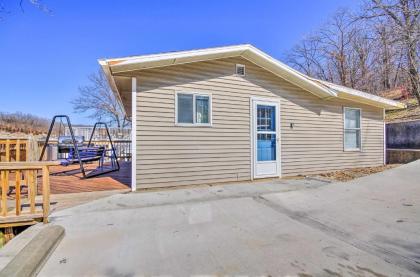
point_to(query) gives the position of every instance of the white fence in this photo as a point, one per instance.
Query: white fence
(122, 148)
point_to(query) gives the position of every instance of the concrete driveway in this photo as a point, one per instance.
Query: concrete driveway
(367, 227)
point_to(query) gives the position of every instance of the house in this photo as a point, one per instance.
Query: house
(236, 114)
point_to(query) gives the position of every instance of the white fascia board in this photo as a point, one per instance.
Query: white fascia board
(172, 58)
(278, 68)
(319, 88)
(356, 95)
(107, 70)
(174, 55)
(246, 51)
(380, 103)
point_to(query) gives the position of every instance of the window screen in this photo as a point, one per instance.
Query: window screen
(185, 108)
(352, 132)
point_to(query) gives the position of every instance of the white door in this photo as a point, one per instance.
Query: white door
(266, 139)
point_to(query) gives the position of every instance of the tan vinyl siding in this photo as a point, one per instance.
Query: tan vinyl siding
(169, 155)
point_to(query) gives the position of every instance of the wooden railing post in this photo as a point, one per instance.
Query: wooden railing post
(17, 190)
(7, 150)
(4, 190)
(45, 193)
(17, 150)
(27, 150)
(32, 190)
(29, 170)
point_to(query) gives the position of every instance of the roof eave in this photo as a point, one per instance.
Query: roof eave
(387, 104)
(321, 89)
(267, 62)
(246, 51)
(108, 73)
(175, 58)
(362, 97)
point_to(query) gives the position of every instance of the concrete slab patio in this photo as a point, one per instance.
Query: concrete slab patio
(368, 227)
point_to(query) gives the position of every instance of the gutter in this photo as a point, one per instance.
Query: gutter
(360, 96)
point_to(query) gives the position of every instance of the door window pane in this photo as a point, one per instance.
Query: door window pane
(202, 109)
(266, 147)
(266, 118)
(185, 108)
(352, 139)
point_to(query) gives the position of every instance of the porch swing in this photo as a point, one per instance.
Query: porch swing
(76, 151)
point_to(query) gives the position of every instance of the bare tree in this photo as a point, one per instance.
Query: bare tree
(375, 49)
(385, 62)
(21, 4)
(336, 38)
(339, 52)
(23, 123)
(403, 16)
(388, 67)
(98, 99)
(306, 57)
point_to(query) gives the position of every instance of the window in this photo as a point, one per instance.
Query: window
(185, 108)
(202, 109)
(352, 131)
(240, 69)
(193, 109)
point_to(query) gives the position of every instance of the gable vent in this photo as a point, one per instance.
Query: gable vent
(240, 69)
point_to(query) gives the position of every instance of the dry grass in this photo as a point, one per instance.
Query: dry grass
(351, 174)
(412, 112)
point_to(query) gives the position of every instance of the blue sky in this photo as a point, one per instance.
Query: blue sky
(45, 57)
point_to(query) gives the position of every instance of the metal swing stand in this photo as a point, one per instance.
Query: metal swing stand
(77, 154)
(114, 158)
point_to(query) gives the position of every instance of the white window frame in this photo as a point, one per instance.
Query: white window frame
(133, 134)
(194, 124)
(236, 69)
(344, 130)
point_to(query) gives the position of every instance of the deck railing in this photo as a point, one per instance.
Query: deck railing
(29, 149)
(14, 150)
(122, 148)
(19, 189)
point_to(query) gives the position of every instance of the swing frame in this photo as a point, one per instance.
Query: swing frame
(113, 153)
(76, 148)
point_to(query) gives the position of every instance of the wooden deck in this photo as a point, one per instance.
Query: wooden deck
(26, 188)
(21, 208)
(72, 183)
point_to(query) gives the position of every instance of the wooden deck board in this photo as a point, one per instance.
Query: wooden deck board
(72, 183)
(68, 183)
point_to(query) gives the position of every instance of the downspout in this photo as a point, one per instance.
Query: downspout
(133, 133)
(383, 118)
